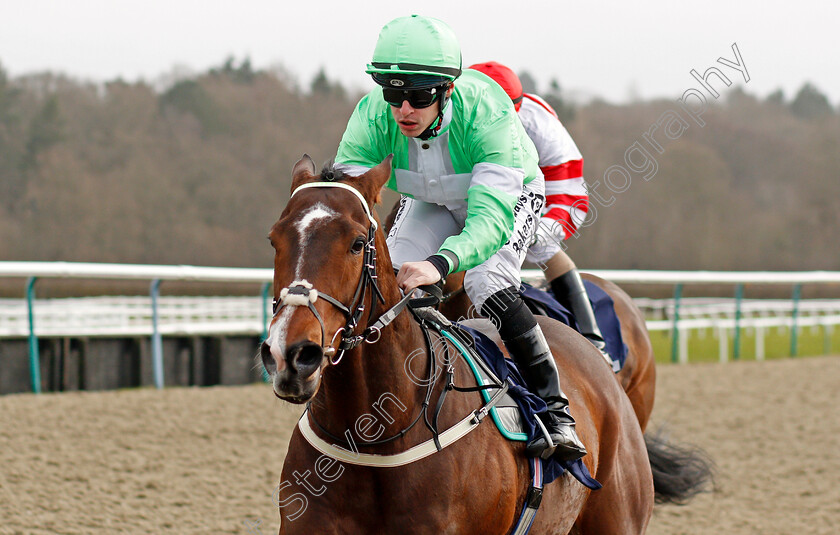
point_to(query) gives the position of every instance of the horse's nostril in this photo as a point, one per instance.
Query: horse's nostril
(305, 357)
(268, 359)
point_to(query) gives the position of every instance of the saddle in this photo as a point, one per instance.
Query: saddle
(514, 413)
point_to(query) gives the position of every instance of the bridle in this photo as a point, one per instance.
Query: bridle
(301, 293)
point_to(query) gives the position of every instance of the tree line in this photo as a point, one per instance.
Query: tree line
(198, 172)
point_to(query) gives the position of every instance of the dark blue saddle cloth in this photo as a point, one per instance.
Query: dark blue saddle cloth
(529, 404)
(602, 305)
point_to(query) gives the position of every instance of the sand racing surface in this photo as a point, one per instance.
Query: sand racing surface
(207, 460)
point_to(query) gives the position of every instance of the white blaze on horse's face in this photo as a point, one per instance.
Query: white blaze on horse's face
(315, 216)
(312, 218)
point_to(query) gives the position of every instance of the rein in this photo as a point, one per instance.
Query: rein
(453, 294)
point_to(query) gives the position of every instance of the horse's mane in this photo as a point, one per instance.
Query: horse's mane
(330, 174)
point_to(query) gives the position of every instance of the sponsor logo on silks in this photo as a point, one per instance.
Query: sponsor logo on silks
(395, 225)
(524, 237)
(398, 83)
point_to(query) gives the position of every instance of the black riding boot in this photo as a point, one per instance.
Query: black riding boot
(569, 290)
(533, 356)
(527, 346)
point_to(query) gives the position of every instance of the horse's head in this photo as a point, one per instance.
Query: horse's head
(322, 241)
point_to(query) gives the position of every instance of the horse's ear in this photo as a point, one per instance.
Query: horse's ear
(303, 171)
(376, 178)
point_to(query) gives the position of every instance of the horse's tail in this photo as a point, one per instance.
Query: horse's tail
(680, 472)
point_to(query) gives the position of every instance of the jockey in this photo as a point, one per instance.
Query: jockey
(471, 191)
(567, 200)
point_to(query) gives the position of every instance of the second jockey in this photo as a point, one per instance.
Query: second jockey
(567, 201)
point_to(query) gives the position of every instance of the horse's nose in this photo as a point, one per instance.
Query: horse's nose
(269, 363)
(304, 358)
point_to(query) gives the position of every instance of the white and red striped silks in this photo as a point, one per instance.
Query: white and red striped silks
(561, 162)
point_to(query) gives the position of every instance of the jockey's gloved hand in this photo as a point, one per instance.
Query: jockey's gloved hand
(415, 274)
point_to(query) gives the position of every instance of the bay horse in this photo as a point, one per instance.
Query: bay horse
(337, 342)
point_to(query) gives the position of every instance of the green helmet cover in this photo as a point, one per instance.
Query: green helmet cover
(415, 45)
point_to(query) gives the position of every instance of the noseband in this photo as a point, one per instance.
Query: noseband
(301, 293)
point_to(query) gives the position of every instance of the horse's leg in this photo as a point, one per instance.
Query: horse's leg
(625, 503)
(638, 376)
(594, 396)
(640, 385)
(640, 390)
(562, 500)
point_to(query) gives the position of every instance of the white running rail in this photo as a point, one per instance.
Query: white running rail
(133, 315)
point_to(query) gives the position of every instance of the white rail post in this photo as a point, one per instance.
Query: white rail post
(723, 341)
(794, 326)
(759, 343)
(683, 343)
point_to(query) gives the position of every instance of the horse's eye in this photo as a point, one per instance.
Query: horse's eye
(358, 246)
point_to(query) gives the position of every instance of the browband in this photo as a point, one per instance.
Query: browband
(341, 185)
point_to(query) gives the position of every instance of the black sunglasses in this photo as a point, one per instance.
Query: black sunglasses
(417, 98)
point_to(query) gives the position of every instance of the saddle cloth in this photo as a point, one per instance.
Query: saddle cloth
(605, 316)
(514, 414)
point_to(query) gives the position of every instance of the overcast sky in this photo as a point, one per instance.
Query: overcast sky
(643, 48)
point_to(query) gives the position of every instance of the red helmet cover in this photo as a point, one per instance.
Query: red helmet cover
(505, 77)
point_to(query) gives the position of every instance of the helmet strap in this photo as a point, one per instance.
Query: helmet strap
(432, 129)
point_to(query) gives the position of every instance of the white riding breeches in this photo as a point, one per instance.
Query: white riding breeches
(420, 228)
